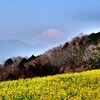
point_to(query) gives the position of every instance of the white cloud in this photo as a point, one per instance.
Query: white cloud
(51, 36)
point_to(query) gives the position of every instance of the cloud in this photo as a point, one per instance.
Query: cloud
(51, 36)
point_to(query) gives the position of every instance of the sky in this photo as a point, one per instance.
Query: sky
(48, 22)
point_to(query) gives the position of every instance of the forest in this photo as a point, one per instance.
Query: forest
(80, 54)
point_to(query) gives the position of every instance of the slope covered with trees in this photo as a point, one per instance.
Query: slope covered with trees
(79, 54)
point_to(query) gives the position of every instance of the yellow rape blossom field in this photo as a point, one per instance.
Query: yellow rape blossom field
(76, 86)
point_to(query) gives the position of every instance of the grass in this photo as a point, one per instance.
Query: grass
(77, 86)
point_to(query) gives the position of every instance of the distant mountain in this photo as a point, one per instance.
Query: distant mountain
(14, 47)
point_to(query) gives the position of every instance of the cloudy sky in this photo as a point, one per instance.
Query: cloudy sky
(47, 22)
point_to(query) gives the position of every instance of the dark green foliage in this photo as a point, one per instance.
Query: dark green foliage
(94, 38)
(31, 58)
(65, 45)
(22, 62)
(8, 62)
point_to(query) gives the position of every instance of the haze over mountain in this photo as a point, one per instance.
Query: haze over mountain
(47, 21)
(12, 48)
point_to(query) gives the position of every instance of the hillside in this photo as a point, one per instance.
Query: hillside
(80, 54)
(77, 86)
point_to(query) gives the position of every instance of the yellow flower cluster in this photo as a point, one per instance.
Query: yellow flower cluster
(77, 86)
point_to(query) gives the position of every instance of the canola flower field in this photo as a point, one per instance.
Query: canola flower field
(76, 86)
